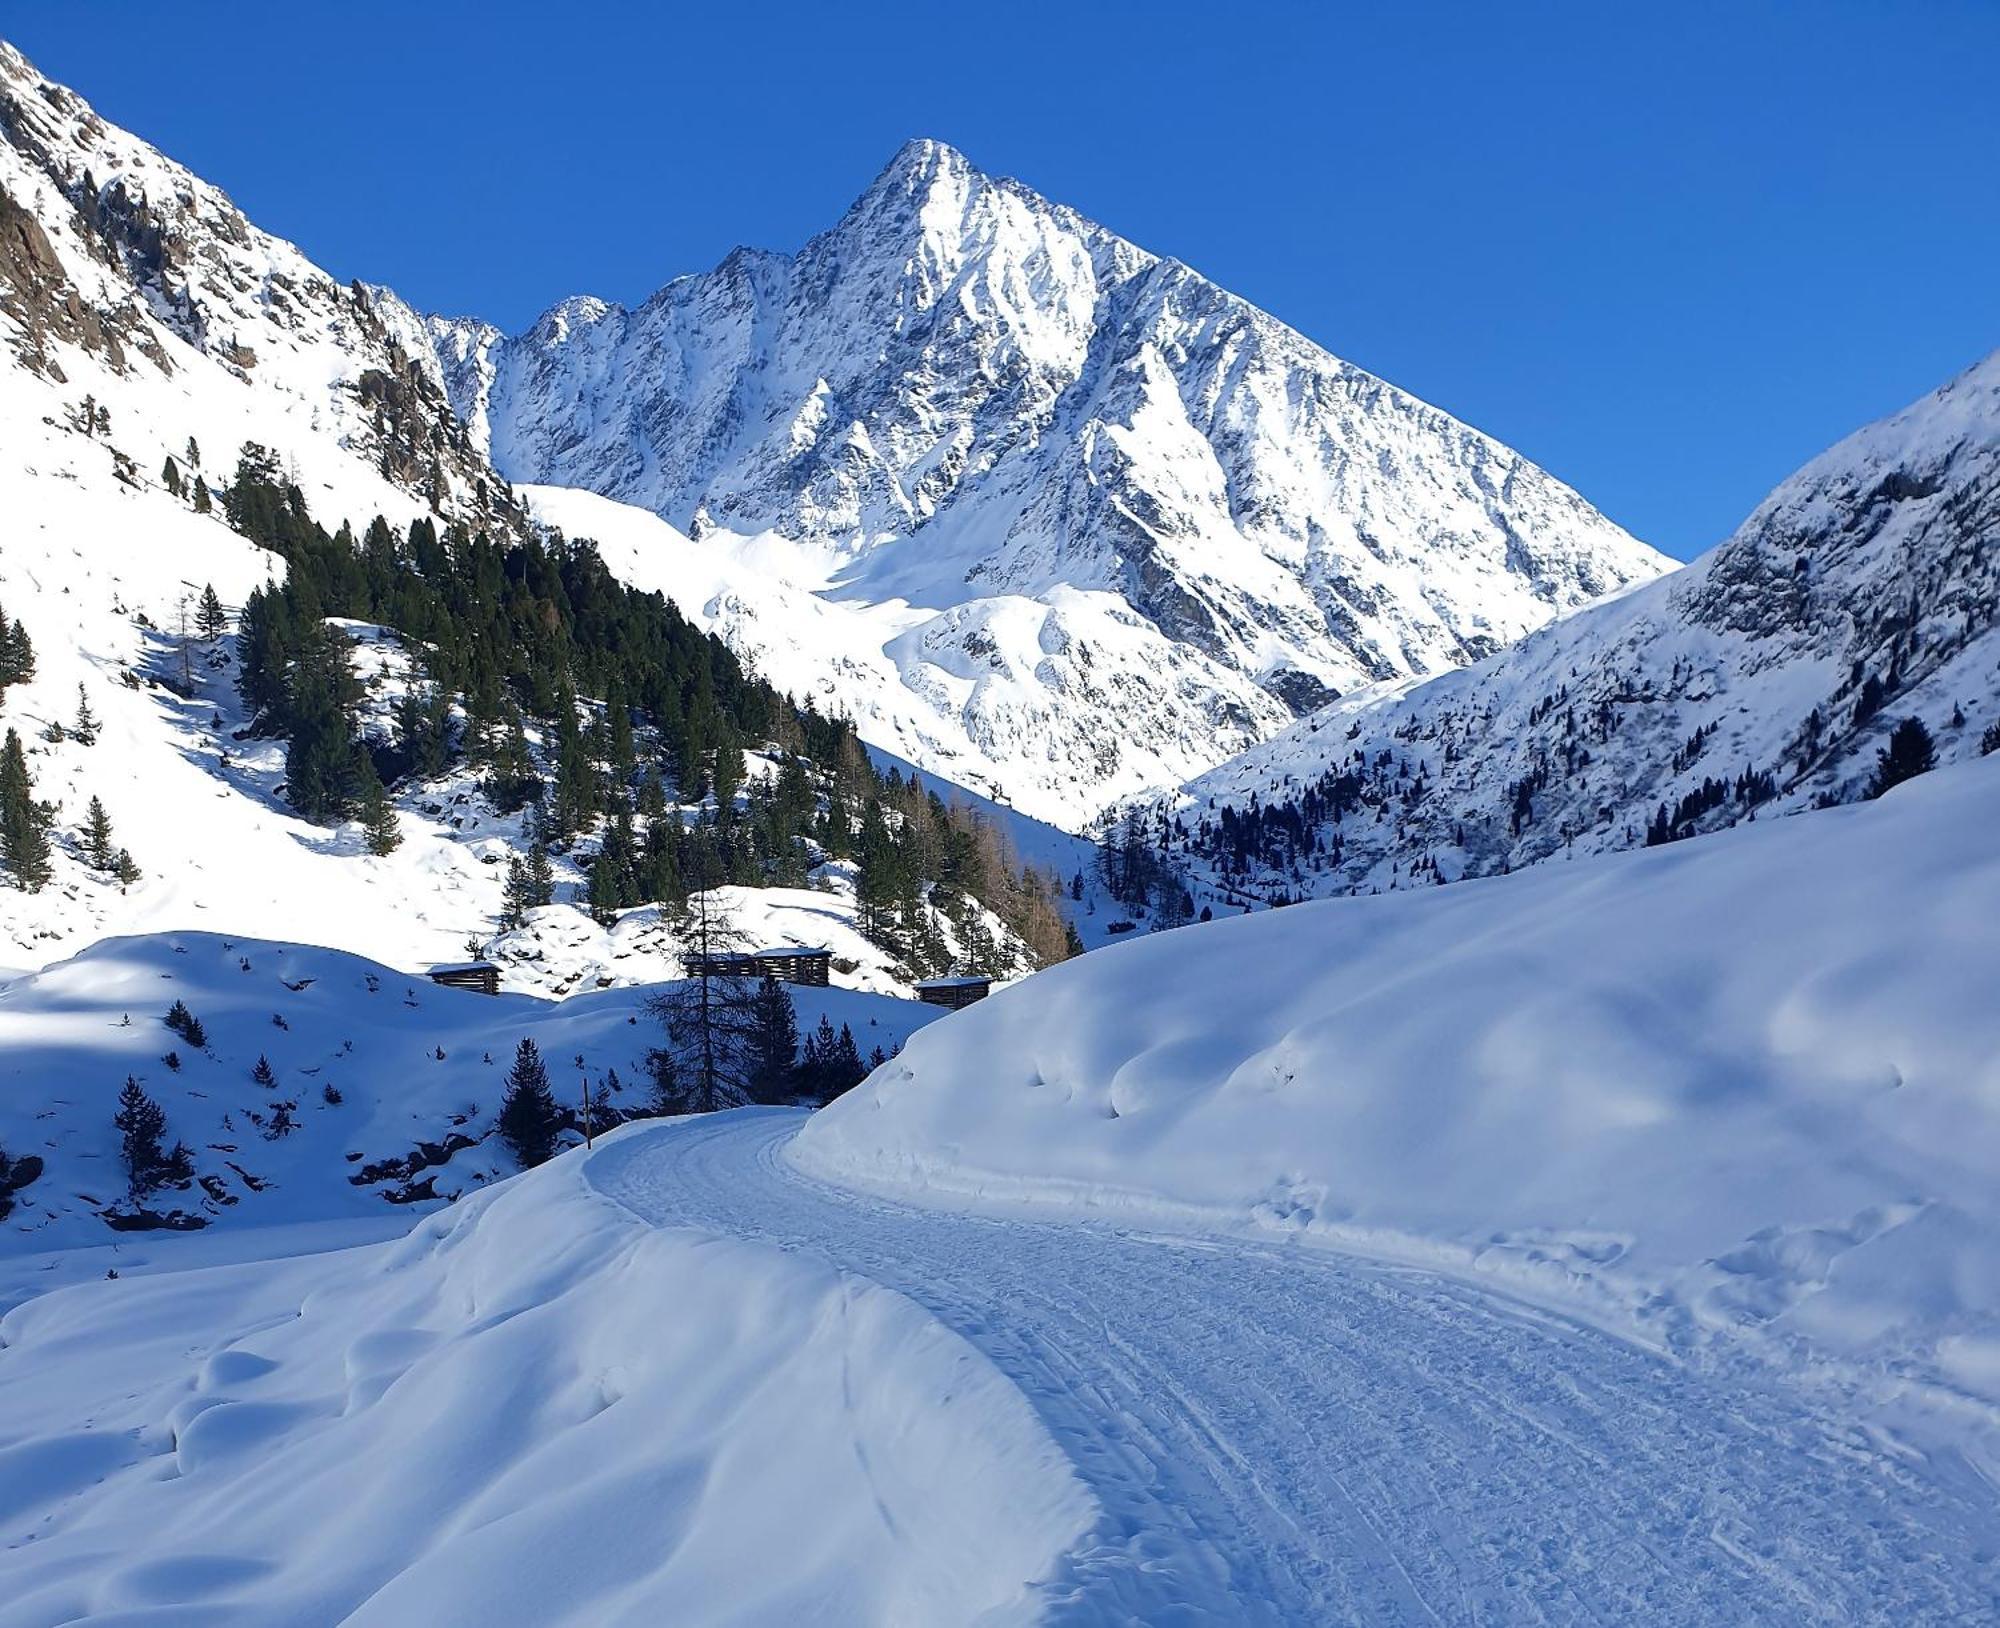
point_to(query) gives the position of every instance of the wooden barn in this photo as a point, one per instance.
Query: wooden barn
(482, 976)
(955, 992)
(788, 963)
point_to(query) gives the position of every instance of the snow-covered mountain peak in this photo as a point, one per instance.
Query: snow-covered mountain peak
(962, 396)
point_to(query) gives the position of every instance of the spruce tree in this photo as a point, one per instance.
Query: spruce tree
(170, 477)
(86, 725)
(377, 813)
(263, 1073)
(24, 823)
(97, 839)
(210, 619)
(528, 1120)
(203, 503)
(774, 1044)
(17, 653)
(1910, 752)
(844, 1069)
(140, 1122)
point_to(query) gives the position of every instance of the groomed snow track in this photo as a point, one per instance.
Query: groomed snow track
(1285, 1435)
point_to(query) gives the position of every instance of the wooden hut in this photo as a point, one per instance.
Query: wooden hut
(482, 976)
(788, 963)
(955, 992)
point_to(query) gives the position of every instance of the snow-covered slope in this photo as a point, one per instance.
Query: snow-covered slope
(1762, 679)
(533, 1409)
(392, 1083)
(142, 320)
(127, 279)
(1746, 1082)
(1063, 486)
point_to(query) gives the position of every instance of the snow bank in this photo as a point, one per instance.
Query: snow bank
(1750, 1082)
(535, 1408)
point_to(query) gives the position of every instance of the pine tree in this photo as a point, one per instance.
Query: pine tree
(97, 841)
(140, 1122)
(774, 1044)
(170, 477)
(514, 896)
(185, 1024)
(1910, 752)
(24, 823)
(541, 875)
(86, 725)
(528, 1120)
(17, 653)
(210, 619)
(203, 503)
(126, 868)
(377, 813)
(263, 1073)
(841, 1065)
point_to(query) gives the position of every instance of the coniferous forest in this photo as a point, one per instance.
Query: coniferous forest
(616, 724)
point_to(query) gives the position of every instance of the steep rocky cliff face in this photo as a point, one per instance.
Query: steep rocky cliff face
(125, 277)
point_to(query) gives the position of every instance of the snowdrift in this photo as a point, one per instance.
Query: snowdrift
(535, 1408)
(1749, 1082)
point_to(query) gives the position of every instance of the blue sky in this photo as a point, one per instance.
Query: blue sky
(1668, 252)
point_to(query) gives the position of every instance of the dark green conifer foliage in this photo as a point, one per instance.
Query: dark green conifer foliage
(529, 1121)
(86, 723)
(98, 844)
(774, 1044)
(210, 619)
(17, 653)
(376, 813)
(1910, 752)
(24, 823)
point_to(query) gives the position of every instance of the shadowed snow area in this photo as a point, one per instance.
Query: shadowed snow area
(533, 1409)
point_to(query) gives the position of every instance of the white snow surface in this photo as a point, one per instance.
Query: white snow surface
(1086, 486)
(534, 1408)
(1740, 1089)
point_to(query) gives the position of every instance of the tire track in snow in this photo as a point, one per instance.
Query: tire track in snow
(1280, 1435)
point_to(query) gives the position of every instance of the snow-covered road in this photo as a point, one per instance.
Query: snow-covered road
(1278, 1434)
